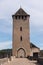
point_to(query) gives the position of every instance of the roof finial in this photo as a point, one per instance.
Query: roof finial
(20, 6)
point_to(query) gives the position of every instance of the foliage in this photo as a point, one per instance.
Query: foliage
(5, 53)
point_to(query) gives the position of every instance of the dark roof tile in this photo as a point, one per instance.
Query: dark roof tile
(33, 46)
(20, 12)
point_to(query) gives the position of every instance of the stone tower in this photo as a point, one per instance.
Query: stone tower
(21, 34)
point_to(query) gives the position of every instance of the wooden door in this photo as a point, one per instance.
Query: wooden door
(21, 53)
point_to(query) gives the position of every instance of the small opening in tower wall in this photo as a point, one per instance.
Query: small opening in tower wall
(21, 38)
(22, 17)
(19, 17)
(20, 28)
(25, 17)
(15, 17)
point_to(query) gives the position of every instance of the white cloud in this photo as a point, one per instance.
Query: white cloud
(10, 6)
(5, 45)
(36, 17)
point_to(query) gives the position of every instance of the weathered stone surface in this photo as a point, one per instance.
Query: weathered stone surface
(25, 33)
(21, 61)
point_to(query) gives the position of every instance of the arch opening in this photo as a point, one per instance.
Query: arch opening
(21, 53)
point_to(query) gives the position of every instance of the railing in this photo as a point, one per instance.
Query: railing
(40, 60)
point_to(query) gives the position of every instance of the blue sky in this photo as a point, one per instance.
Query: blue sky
(32, 7)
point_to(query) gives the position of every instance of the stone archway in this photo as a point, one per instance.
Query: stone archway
(21, 53)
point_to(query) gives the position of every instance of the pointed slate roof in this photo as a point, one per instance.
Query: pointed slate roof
(20, 12)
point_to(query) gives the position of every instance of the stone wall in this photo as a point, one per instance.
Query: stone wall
(25, 33)
(34, 50)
